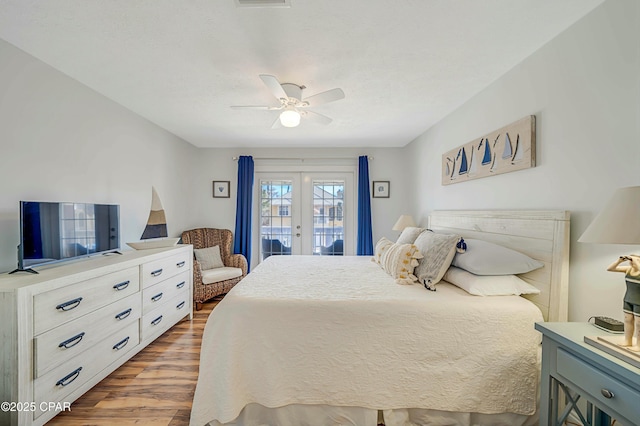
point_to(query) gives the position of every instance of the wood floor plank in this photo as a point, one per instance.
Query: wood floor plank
(154, 388)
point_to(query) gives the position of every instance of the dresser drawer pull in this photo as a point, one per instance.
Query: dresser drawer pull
(607, 393)
(122, 285)
(180, 285)
(156, 297)
(71, 342)
(157, 320)
(69, 378)
(181, 305)
(181, 264)
(121, 344)
(71, 304)
(122, 315)
(156, 273)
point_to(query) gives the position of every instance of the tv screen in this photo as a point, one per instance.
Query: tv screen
(50, 232)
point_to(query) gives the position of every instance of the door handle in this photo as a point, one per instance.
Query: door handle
(298, 234)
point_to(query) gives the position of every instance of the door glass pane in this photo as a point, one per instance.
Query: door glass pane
(275, 217)
(328, 217)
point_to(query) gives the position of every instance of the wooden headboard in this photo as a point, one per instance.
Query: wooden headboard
(540, 234)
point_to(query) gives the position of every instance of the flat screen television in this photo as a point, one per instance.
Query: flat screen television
(52, 232)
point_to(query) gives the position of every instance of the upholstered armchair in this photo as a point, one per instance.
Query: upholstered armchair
(209, 283)
(272, 247)
(334, 249)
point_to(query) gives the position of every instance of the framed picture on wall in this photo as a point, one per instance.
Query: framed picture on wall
(221, 189)
(380, 189)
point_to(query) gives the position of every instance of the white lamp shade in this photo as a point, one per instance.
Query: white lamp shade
(290, 118)
(619, 221)
(403, 222)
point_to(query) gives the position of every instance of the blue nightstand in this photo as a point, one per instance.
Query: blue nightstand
(573, 371)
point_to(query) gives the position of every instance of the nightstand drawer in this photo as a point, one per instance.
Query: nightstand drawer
(623, 399)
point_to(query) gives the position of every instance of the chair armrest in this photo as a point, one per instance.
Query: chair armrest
(197, 273)
(239, 261)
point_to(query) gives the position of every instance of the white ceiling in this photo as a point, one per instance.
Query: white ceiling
(403, 64)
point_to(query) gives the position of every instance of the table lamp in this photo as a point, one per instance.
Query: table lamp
(403, 222)
(619, 223)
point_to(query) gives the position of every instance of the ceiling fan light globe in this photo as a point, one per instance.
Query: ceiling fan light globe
(290, 118)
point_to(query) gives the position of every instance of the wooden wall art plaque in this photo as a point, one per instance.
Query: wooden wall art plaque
(507, 149)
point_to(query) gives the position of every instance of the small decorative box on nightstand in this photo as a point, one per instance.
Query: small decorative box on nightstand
(573, 369)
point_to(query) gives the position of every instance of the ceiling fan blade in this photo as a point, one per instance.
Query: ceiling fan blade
(266, 108)
(276, 124)
(274, 85)
(314, 117)
(324, 97)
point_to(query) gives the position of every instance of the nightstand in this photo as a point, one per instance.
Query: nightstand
(575, 372)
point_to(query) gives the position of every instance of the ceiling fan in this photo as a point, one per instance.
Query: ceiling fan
(292, 105)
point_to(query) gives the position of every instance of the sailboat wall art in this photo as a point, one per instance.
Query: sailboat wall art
(155, 233)
(510, 148)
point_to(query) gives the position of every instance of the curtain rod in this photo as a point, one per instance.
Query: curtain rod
(303, 159)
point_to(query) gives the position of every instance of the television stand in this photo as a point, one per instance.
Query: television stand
(30, 270)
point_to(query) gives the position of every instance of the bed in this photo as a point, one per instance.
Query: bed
(334, 340)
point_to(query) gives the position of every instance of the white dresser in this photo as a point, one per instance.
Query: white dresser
(68, 327)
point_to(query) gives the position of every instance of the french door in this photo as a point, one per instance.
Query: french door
(308, 213)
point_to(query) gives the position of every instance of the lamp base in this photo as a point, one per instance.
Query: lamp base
(613, 346)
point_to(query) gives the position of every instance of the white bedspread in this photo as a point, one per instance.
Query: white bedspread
(339, 331)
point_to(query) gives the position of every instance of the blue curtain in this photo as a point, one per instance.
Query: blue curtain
(242, 236)
(365, 234)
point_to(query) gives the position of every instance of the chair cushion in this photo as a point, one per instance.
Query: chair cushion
(209, 257)
(210, 276)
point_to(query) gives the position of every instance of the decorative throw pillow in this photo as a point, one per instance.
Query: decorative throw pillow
(209, 257)
(409, 235)
(399, 261)
(438, 251)
(485, 258)
(381, 246)
(488, 285)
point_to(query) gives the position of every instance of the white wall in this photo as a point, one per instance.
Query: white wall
(61, 141)
(584, 89)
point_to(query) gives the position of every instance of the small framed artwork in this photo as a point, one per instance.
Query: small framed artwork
(221, 189)
(380, 189)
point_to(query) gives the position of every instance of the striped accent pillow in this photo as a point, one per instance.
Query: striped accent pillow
(399, 261)
(381, 246)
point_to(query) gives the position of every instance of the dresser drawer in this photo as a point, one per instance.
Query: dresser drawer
(161, 269)
(64, 304)
(163, 317)
(70, 339)
(72, 374)
(158, 294)
(622, 398)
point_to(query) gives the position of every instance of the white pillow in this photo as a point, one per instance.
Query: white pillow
(409, 235)
(485, 258)
(209, 257)
(437, 251)
(399, 260)
(488, 285)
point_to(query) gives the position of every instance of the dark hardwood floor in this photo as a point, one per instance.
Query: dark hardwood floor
(155, 387)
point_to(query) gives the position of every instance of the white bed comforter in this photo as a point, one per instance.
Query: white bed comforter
(339, 331)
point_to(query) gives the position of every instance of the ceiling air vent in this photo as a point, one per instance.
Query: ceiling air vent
(263, 3)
